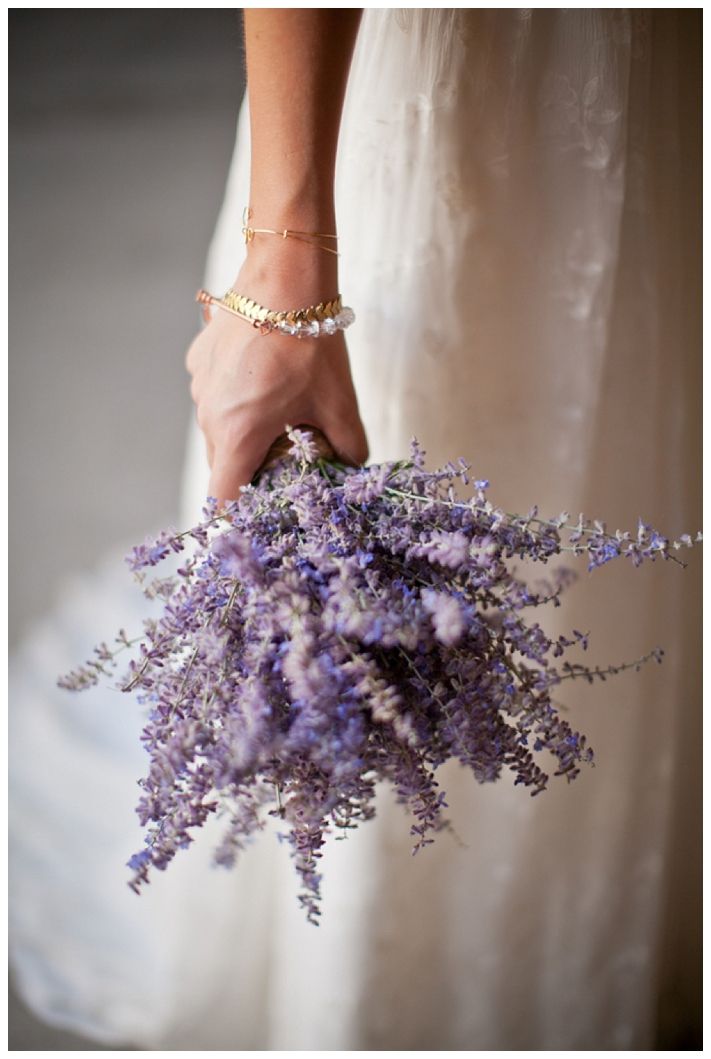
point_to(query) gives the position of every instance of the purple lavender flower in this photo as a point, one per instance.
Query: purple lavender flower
(365, 485)
(236, 554)
(303, 447)
(340, 626)
(447, 616)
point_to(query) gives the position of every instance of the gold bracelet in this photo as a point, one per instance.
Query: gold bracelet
(325, 318)
(286, 233)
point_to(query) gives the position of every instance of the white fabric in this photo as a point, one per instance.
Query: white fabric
(510, 197)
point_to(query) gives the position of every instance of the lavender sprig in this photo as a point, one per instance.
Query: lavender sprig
(336, 627)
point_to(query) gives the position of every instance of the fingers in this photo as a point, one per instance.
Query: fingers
(229, 474)
(235, 464)
(348, 440)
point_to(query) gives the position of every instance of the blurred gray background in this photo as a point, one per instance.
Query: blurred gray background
(122, 126)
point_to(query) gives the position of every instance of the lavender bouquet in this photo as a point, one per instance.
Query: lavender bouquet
(337, 627)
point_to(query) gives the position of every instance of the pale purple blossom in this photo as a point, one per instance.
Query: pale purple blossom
(447, 615)
(336, 627)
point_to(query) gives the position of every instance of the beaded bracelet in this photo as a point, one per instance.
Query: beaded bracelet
(310, 322)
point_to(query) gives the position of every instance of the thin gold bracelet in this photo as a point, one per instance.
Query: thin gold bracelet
(286, 233)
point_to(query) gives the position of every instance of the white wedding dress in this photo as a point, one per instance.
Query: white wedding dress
(516, 196)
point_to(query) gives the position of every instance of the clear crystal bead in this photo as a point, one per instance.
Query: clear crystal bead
(288, 329)
(328, 326)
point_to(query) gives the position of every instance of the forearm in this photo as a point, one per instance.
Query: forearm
(297, 70)
(247, 386)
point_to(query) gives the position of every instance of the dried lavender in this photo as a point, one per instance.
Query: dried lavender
(336, 627)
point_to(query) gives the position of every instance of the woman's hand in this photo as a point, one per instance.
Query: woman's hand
(247, 387)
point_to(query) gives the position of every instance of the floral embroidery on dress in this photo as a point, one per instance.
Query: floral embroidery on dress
(578, 117)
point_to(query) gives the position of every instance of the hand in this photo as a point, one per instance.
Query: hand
(247, 387)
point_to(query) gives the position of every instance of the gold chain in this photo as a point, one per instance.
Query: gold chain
(266, 319)
(258, 314)
(286, 233)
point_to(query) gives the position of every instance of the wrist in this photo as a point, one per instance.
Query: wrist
(285, 273)
(306, 207)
